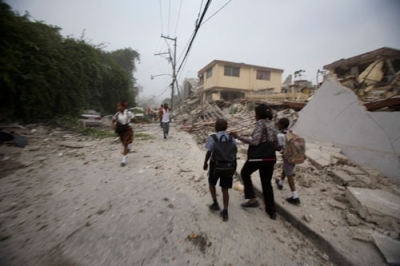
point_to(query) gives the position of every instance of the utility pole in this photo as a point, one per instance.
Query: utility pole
(173, 61)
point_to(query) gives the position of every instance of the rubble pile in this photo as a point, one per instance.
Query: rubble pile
(239, 114)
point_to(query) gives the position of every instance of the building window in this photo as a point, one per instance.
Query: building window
(263, 75)
(231, 71)
(209, 73)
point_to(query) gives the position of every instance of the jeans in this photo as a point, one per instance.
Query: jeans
(165, 126)
(266, 170)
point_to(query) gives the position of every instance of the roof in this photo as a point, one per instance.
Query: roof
(214, 62)
(364, 58)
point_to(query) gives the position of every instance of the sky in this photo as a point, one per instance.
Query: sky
(286, 34)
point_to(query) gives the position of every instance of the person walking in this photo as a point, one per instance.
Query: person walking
(120, 124)
(264, 135)
(222, 149)
(165, 119)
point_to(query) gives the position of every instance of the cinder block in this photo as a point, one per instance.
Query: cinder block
(342, 178)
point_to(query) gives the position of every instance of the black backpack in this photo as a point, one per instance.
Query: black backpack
(224, 156)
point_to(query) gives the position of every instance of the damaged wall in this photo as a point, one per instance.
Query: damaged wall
(370, 139)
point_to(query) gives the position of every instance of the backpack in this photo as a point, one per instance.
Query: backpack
(224, 156)
(295, 148)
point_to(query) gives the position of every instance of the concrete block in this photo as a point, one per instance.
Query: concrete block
(364, 179)
(389, 248)
(313, 154)
(342, 178)
(333, 149)
(312, 146)
(340, 157)
(374, 205)
(354, 170)
(321, 163)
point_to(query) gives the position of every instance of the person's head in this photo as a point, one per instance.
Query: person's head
(165, 105)
(161, 106)
(221, 125)
(283, 123)
(263, 111)
(121, 106)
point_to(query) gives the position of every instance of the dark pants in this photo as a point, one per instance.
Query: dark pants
(266, 170)
(165, 126)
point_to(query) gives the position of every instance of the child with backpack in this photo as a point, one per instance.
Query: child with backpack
(222, 149)
(293, 149)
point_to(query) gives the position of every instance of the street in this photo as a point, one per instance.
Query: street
(80, 207)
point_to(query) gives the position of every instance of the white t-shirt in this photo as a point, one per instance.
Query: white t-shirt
(165, 117)
(282, 138)
(124, 117)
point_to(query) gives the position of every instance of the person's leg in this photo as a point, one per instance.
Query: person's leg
(247, 170)
(212, 182)
(164, 126)
(213, 192)
(266, 172)
(226, 184)
(167, 128)
(295, 197)
(225, 196)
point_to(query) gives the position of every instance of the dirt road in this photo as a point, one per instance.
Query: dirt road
(77, 206)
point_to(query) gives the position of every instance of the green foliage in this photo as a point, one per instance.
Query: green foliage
(44, 74)
(143, 136)
(72, 123)
(251, 106)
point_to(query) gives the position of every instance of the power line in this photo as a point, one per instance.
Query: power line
(198, 24)
(161, 20)
(198, 16)
(169, 15)
(179, 14)
(187, 44)
(216, 12)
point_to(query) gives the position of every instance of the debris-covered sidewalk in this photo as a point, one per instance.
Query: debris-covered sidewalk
(352, 212)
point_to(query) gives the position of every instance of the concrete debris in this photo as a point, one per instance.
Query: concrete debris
(352, 219)
(308, 218)
(336, 204)
(388, 247)
(362, 235)
(376, 205)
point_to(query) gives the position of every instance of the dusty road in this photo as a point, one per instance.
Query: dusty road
(79, 207)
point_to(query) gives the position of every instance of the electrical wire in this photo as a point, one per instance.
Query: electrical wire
(179, 14)
(161, 20)
(169, 15)
(198, 24)
(216, 12)
(198, 16)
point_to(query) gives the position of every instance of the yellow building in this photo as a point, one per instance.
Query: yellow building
(223, 80)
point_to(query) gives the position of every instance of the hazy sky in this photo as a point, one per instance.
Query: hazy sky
(286, 34)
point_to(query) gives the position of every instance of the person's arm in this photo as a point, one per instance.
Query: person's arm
(113, 121)
(208, 155)
(255, 139)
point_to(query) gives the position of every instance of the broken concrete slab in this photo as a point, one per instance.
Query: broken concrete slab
(364, 179)
(374, 205)
(327, 144)
(342, 177)
(330, 149)
(354, 170)
(337, 204)
(312, 146)
(389, 248)
(73, 145)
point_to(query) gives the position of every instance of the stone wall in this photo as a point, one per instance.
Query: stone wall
(335, 114)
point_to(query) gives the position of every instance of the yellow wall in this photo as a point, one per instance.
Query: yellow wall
(246, 81)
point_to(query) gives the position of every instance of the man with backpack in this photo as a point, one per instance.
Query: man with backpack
(293, 151)
(222, 149)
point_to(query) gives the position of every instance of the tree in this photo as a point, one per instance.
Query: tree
(44, 74)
